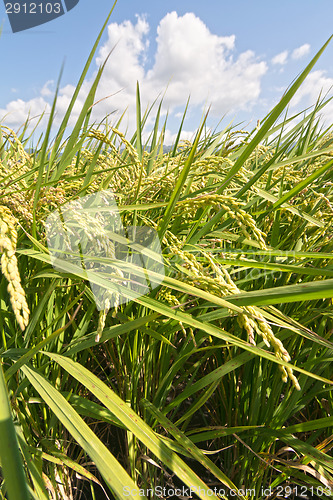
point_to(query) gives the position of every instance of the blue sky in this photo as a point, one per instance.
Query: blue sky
(238, 57)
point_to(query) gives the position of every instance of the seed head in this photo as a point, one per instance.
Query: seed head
(9, 267)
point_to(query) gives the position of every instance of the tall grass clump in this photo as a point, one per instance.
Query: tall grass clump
(219, 380)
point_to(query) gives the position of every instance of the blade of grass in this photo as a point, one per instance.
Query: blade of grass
(10, 458)
(153, 145)
(179, 185)
(72, 145)
(184, 441)
(138, 123)
(42, 157)
(174, 151)
(289, 293)
(302, 185)
(269, 296)
(64, 122)
(113, 473)
(133, 422)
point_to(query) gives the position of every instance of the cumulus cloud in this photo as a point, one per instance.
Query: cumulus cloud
(301, 51)
(46, 90)
(316, 84)
(170, 137)
(280, 58)
(128, 46)
(298, 53)
(17, 112)
(189, 60)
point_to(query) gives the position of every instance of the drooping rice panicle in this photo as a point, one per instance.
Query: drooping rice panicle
(9, 267)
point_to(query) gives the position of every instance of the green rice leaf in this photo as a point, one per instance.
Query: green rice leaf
(10, 458)
(113, 473)
(133, 422)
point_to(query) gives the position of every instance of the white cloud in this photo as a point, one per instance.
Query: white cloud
(317, 83)
(301, 51)
(189, 60)
(185, 135)
(128, 46)
(46, 91)
(185, 45)
(280, 58)
(16, 112)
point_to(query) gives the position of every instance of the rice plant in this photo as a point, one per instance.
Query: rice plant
(217, 382)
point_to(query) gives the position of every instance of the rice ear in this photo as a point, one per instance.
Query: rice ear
(9, 267)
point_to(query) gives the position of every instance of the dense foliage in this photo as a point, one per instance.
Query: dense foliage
(220, 377)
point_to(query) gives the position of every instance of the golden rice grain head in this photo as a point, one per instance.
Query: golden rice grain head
(9, 267)
(101, 324)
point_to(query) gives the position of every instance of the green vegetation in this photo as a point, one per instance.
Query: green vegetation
(220, 377)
